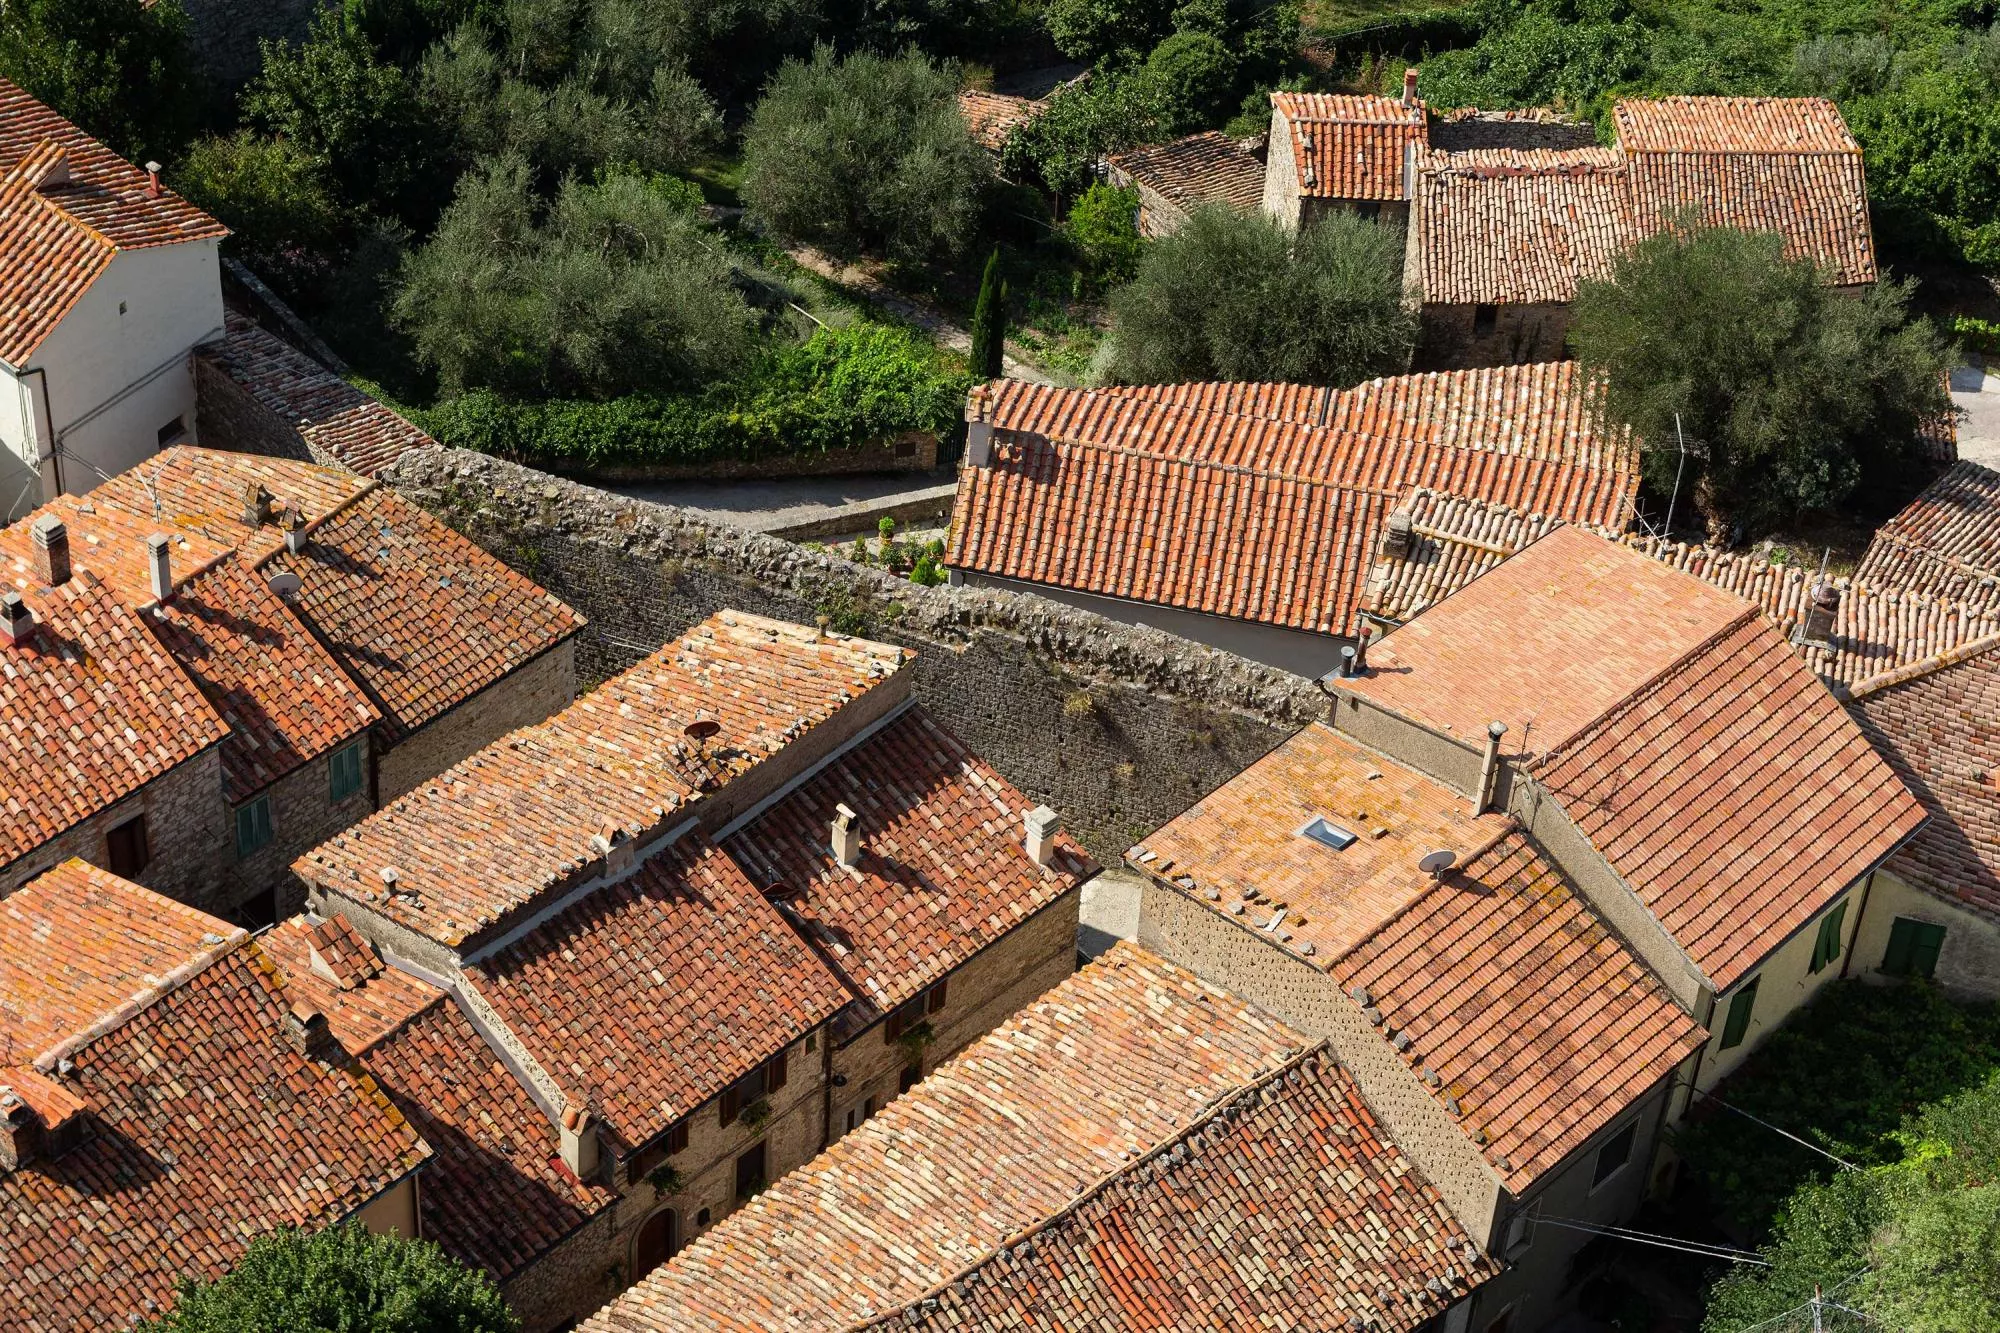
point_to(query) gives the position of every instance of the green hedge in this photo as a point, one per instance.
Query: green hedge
(841, 388)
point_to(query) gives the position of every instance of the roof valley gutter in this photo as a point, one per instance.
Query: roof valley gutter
(534, 1080)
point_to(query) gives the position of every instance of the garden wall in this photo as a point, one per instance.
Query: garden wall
(1117, 726)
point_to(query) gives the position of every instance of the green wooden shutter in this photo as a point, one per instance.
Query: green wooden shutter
(1740, 1009)
(1913, 948)
(1896, 958)
(1827, 947)
(344, 772)
(253, 826)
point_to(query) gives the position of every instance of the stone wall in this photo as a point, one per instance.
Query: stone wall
(224, 33)
(911, 451)
(1118, 727)
(1452, 340)
(303, 815)
(228, 417)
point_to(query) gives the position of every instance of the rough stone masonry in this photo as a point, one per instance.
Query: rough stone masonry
(1120, 727)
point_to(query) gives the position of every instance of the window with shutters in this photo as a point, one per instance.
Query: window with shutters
(343, 772)
(750, 1175)
(129, 851)
(1740, 1009)
(753, 1087)
(1913, 948)
(253, 826)
(911, 1012)
(1826, 947)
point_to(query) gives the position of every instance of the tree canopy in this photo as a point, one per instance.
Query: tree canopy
(341, 1280)
(1234, 297)
(1792, 396)
(118, 68)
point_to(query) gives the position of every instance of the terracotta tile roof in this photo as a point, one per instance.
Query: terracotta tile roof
(330, 413)
(1206, 168)
(1291, 1208)
(67, 207)
(1940, 730)
(1547, 642)
(416, 613)
(496, 1194)
(1535, 1024)
(1817, 202)
(501, 828)
(91, 710)
(1120, 1058)
(1734, 795)
(209, 1128)
(1753, 125)
(1501, 225)
(1252, 514)
(285, 699)
(943, 871)
(651, 995)
(993, 116)
(1244, 838)
(330, 966)
(1946, 542)
(1349, 146)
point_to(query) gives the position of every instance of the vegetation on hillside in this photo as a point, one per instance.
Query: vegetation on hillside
(120, 68)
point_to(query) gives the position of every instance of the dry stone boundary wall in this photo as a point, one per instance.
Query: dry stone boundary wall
(1119, 727)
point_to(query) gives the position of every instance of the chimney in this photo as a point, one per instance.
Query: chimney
(1361, 649)
(20, 1132)
(159, 560)
(307, 1033)
(152, 180)
(846, 836)
(1396, 537)
(1821, 609)
(1489, 766)
(256, 504)
(295, 531)
(1410, 86)
(1042, 824)
(17, 622)
(51, 550)
(579, 1142)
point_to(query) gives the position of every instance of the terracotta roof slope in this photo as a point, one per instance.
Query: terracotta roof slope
(1118, 1059)
(1817, 202)
(1735, 797)
(1514, 226)
(993, 116)
(1946, 542)
(1349, 146)
(1536, 1027)
(1206, 168)
(1732, 125)
(943, 871)
(1291, 1208)
(331, 967)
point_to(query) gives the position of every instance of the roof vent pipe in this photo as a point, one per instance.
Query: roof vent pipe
(1489, 767)
(846, 836)
(152, 180)
(160, 563)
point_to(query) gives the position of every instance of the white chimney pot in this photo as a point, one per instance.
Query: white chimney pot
(159, 560)
(846, 836)
(1041, 825)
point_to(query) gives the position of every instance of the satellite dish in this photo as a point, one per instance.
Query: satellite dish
(1435, 864)
(701, 729)
(284, 583)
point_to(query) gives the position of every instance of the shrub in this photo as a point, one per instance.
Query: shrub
(1079, 124)
(1792, 396)
(1233, 297)
(1104, 227)
(1195, 81)
(868, 153)
(341, 1280)
(118, 68)
(274, 197)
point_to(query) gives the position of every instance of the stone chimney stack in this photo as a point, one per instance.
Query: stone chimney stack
(295, 531)
(1410, 86)
(307, 1033)
(20, 1132)
(846, 836)
(1396, 537)
(1822, 608)
(17, 622)
(256, 504)
(1041, 824)
(51, 542)
(160, 563)
(152, 180)
(579, 1142)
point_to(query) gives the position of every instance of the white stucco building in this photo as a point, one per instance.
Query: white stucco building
(108, 282)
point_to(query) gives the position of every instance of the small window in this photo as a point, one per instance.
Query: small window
(701, 1218)
(910, 1077)
(1327, 835)
(173, 432)
(677, 1139)
(1503, 1324)
(1370, 209)
(1485, 318)
(1826, 948)
(760, 1082)
(253, 826)
(934, 998)
(1913, 948)
(1740, 1008)
(907, 1016)
(1613, 1156)
(1520, 1232)
(343, 772)
(127, 847)
(812, 1042)
(750, 1177)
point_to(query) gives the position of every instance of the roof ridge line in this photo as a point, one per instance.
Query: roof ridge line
(1507, 830)
(369, 487)
(140, 1001)
(1624, 704)
(1925, 666)
(1202, 1118)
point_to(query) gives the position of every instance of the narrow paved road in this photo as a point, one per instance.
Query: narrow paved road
(1976, 389)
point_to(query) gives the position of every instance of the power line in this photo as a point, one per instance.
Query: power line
(1814, 1147)
(1701, 1248)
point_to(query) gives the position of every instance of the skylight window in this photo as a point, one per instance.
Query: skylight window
(1325, 834)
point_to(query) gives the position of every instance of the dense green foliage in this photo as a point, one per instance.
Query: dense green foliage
(1792, 396)
(118, 68)
(840, 388)
(1103, 226)
(1233, 297)
(989, 322)
(286, 219)
(341, 1280)
(613, 290)
(1081, 123)
(867, 153)
(1919, 84)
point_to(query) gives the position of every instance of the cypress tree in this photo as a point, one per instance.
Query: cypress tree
(989, 322)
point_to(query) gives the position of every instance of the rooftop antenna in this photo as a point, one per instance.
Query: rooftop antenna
(1436, 863)
(1679, 471)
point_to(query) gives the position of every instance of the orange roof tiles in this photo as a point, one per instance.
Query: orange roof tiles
(1206, 168)
(501, 828)
(650, 996)
(942, 873)
(1734, 796)
(1290, 1209)
(1241, 509)
(1818, 203)
(1527, 1017)
(1946, 542)
(1506, 226)
(329, 413)
(91, 710)
(1240, 847)
(993, 116)
(331, 967)
(1349, 146)
(68, 205)
(1117, 1060)
(1546, 642)
(1732, 125)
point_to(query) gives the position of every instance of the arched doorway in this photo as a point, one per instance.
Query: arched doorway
(659, 1236)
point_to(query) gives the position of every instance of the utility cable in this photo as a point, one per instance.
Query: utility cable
(1711, 1097)
(1706, 1251)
